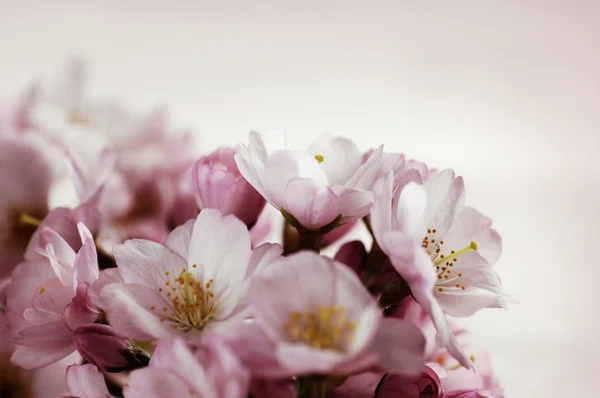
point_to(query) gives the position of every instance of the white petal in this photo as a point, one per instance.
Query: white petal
(220, 249)
(367, 173)
(284, 165)
(179, 239)
(381, 214)
(445, 198)
(341, 157)
(410, 210)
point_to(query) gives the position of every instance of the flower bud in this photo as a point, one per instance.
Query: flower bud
(102, 346)
(218, 184)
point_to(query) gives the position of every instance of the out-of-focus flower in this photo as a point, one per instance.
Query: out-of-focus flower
(318, 186)
(444, 251)
(319, 319)
(219, 185)
(427, 385)
(176, 371)
(192, 283)
(458, 381)
(26, 177)
(85, 381)
(46, 303)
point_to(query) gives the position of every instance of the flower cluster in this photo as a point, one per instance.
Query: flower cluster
(157, 279)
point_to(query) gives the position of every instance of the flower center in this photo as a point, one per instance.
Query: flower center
(320, 158)
(193, 303)
(443, 263)
(327, 328)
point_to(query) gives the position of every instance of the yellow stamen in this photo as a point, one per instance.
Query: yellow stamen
(327, 328)
(42, 290)
(471, 246)
(456, 367)
(320, 158)
(26, 219)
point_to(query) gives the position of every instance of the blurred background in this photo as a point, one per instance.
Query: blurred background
(506, 93)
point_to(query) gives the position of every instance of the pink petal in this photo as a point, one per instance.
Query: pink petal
(298, 282)
(85, 381)
(155, 383)
(300, 359)
(255, 349)
(311, 205)
(354, 203)
(147, 262)
(474, 226)
(179, 239)
(129, 311)
(39, 357)
(106, 277)
(400, 346)
(85, 268)
(173, 356)
(414, 265)
(262, 256)
(80, 311)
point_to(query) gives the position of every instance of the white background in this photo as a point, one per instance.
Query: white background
(507, 93)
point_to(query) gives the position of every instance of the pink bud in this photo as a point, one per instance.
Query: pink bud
(218, 184)
(102, 346)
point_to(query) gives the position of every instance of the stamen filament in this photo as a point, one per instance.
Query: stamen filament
(471, 246)
(26, 219)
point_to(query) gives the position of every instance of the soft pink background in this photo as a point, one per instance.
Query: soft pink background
(506, 92)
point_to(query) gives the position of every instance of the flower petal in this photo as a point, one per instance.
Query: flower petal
(220, 249)
(146, 262)
(284, 165)
(39, 357)
(341, 157)
(155, 383)
(313, 206)
(300, 282)
(85, 381)
(85, 269)
(401, 347)
(179, 239)
(354, 203)
(129, 310)
(367, 173)
(410, 210)
(381, 214)
(445, 197)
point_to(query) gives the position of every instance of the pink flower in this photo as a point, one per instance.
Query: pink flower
(25, 180)
(194, 282)
(444, 251)
(318, 186)
(85, 381)
(47, 300)
(219, 185)
(175, 371)
(319, 319)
